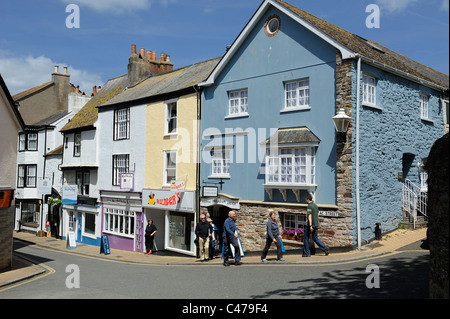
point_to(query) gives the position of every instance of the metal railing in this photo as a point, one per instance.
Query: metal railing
(414, 201)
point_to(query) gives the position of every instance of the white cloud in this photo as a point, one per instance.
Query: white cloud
(396, 5)
(444, 5)
(23, 73)
(119, 6)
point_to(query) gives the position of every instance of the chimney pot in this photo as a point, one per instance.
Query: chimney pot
(56, 68)
(65, 70)
(142, 52)
(163, 56)
(154, 56)
(94, 89)
(149, 54)
(133, 49)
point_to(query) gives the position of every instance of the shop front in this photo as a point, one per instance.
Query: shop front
(122, 219)
(173, 213)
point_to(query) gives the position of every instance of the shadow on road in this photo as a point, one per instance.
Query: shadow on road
(401, 277)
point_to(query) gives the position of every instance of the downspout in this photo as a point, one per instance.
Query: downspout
(198, 155)
(358, 203)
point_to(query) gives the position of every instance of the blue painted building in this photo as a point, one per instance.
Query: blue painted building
(269, 138)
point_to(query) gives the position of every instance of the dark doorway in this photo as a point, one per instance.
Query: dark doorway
(219, 214)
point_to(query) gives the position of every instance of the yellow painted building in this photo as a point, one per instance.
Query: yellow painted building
(180, 139)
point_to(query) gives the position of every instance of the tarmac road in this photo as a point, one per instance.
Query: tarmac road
(402, 274)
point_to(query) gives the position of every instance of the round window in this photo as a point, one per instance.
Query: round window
(272, 25)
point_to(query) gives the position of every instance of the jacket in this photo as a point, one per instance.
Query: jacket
(229, 227)
(203, 229)
(272, 229)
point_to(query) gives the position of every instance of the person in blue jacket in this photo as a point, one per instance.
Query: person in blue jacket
(230, 237)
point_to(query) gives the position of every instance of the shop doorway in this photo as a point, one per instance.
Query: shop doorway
(219, 214)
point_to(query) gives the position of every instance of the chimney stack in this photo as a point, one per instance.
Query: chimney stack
(144, 65)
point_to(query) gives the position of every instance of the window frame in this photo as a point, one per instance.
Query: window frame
(369, 84)
(275, 168)
(117, 170)
(424, 103)
(223, 157)
(24, 142)
(76, 145)
(125, 225)
(121, 124)
(84, 185)
(26, 175)
(238, 98)
(169, 118)
(306, 105)
(167, 156)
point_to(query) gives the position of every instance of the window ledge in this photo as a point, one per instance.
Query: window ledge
(372, 106)
(427, 120)
(297, 108)
(220, 176)
(234, 116)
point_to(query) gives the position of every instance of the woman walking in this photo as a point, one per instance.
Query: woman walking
(272, 236)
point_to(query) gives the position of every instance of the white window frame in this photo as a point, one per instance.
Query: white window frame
(369, 90)
(77, 145)
(220, 164)
(297, 95)
(32, 138)
(167, 156)
(85, 233)
(299, 168)
(424, 106)
(238, 103)
(125, 220)
(170, 118)
(122, 124)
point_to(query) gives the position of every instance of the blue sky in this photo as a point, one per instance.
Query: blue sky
(34, 36)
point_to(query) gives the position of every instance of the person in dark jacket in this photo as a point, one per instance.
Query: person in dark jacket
(150, 231)
(272, 236)
(203, 233)
(230, 238)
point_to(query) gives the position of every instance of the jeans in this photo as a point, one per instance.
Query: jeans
(227, 241)
(269, 242)
(316, 239)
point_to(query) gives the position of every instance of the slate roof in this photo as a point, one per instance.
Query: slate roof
(292, 135)
(174, 81)
(88, 115)
(371, 50)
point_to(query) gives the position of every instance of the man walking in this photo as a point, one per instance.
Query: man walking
(202, 231)
(230, 237)
(312, 217)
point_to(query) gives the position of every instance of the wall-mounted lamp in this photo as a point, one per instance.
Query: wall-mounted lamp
(342, 121)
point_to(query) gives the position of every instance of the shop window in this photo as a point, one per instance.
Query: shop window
(118, 221)
(89, 224)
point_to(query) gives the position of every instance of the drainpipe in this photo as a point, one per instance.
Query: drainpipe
(358, 101)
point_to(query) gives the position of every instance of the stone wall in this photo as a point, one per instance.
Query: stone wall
(438, 212)
(6, 236)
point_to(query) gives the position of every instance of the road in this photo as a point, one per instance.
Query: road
(403, 274)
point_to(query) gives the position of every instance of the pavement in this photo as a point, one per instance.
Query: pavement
(24, 268)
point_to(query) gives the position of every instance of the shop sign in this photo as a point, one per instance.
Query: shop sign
(210, 191)
(126, 181)
(177, 186)
(228, 202)
(168, 200)
(70, 195)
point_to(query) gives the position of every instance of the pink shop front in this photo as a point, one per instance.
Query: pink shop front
(123, 220)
